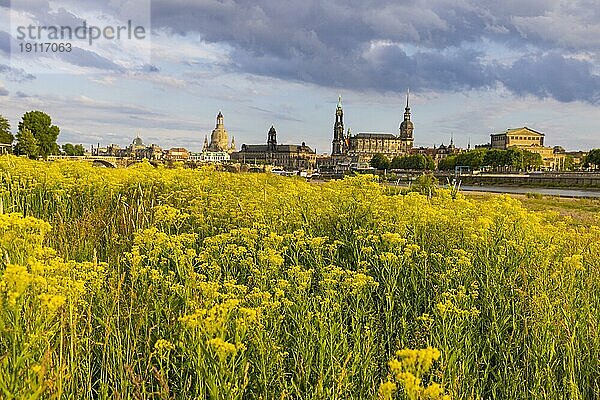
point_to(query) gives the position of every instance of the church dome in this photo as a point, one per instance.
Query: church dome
(138, 141)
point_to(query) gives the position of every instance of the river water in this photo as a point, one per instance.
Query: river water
(561, 192)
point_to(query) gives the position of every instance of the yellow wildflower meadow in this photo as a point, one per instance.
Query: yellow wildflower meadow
(178, 283)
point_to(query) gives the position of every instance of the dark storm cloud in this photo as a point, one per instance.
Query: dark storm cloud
(388, 68)
(383, 45)
(553, 75)
(366, 44)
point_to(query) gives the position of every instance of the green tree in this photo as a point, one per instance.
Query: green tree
(380, 161)
(473, 158)
(79, 150)
(429, 163)
(395, 164)
(45, 134)
(26, 144)
(6, 137)
(68, 149)
(593, 158)
(532, 160)
(569, 163)
(414, 161)
(448, 163)
(495, 158)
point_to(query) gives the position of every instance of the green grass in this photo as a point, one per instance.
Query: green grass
(582, 211)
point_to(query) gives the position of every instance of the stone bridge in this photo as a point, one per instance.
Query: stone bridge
(100, 161)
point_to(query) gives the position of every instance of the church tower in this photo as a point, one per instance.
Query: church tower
(407, 127)
(272, 140)
(338, 143)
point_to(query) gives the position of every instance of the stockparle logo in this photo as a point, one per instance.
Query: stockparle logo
(74, 37)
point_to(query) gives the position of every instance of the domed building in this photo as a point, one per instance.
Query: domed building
(219, 139)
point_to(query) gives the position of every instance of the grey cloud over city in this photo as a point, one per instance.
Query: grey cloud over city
(382, 45)
(545, 48)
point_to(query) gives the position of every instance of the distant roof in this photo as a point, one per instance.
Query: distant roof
(514, 130)
(254, 148)
(376, 135)
(281, 148)
(292, 148)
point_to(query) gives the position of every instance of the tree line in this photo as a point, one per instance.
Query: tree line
(36, 137)
(512, 159)
(413, 161)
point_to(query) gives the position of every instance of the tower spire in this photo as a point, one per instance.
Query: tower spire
(407, 96)
(338, 129)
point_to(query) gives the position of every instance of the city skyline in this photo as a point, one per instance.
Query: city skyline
(473, 69)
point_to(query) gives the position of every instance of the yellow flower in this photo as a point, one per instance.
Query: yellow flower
(223, 349)
(410, 367)
(162, 345)
(386, 390)
(52, 301)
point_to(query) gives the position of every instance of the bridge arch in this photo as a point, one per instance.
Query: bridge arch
(103, 163)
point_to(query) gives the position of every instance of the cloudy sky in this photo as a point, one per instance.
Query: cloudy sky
(473, 67)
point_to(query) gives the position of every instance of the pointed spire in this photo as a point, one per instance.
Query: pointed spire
(452, 139)
(469, 145)
(339, 105)
(406, 110)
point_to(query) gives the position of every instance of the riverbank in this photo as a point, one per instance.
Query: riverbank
(543, 191)
(582, 211)
(558, 180)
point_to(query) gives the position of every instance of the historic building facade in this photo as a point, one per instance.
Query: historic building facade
(288, 156)
(360, 148)
(528, 139)
(137, 149)
(176, 154)
(440, 152)
(519, 137)
(219, 138)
